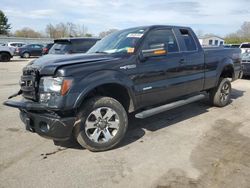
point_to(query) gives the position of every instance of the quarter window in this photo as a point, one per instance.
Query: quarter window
(188, 40)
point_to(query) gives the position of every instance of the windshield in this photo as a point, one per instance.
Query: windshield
(245, 45)
(124, 41)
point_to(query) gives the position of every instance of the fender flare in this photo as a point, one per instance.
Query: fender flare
(227, 62)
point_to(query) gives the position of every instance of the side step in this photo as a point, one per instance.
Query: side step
(169, 106)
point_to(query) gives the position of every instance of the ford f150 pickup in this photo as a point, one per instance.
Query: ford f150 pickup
(146, 70)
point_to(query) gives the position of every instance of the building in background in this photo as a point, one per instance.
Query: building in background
(211, 40)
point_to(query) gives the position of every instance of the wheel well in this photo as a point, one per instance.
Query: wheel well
(5, 52)
(228, 72)
(116, 91)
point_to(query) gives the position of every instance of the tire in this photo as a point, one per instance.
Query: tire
(102, 124)
(220, 95)
(26, 55)
(5, 57)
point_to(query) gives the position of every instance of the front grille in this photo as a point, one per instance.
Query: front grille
(29, 83)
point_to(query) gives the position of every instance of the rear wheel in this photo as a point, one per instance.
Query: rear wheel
(220, 95)
(4, 57)
(102, 123)
(26, 55)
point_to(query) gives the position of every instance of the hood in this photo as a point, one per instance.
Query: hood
(48, 64)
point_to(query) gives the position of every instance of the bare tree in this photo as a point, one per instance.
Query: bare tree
(68, 29)
(27, 32)
(242, 35)
(105, 33)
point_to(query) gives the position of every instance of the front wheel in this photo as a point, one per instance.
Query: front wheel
(220, 95)
(102, 123)
(4, 57)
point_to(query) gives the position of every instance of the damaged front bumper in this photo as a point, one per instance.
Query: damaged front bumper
(41, 120)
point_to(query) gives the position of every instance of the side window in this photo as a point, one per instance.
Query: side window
(83, 46)
(161, 38)
(188, 40)
(37, 46)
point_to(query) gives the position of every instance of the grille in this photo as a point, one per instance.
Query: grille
(29, 83)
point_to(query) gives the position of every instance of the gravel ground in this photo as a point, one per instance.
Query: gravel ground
(193, 146)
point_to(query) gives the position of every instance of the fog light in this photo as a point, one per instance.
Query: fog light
(44, 127)
(45, 97)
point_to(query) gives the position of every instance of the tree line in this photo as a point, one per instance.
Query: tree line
(70, 29)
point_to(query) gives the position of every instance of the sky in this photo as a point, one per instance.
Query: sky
(220, 17)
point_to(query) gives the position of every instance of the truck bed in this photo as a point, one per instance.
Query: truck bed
(214, 57)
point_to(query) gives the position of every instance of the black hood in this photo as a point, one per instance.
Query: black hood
(48, 64)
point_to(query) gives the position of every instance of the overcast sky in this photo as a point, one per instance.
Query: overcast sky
(211, 16)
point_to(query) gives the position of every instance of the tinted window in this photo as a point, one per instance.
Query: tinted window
(188, 40)
(245, 46)
(82, 45)
(37, 46)
(60, 48)
(161, 38)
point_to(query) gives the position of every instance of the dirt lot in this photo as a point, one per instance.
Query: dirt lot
(192, 146)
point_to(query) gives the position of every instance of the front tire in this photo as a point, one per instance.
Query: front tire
(102, 123)
(5, 57)
(220, 95)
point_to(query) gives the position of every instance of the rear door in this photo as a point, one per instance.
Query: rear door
(192, 70)
(159, 77)
(37, 49)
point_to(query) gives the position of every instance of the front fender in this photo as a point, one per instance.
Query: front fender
(99, 78)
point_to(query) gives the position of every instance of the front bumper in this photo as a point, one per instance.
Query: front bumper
(37, 118)
(246, 69)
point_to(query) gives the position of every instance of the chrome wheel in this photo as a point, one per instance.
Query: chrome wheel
(102, 125)
(225, 90)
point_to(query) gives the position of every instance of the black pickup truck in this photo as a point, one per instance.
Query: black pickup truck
(146, 70)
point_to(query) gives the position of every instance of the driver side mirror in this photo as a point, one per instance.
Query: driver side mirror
(154, 51)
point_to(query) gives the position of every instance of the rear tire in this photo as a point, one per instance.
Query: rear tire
(5, 57)
(26, 55)
(102, 124)
(220, 95)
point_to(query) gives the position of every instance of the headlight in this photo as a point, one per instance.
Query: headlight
(58, 85)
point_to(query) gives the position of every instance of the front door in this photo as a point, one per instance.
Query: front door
(159, 77)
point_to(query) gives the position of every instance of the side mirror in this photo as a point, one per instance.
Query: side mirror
(154, 51)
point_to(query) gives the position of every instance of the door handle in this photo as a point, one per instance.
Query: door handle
(182, 61)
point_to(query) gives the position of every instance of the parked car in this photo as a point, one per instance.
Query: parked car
(15, 45)
(30, 50)
(146, 70)
(72, 45)
(246, 63)
(46, 48)
(245, 47)
(5, 53)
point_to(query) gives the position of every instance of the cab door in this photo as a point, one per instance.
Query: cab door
(159, 77)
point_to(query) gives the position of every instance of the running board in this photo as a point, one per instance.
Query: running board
(159, 109)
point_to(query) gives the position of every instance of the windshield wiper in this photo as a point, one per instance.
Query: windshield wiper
(101, 52)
